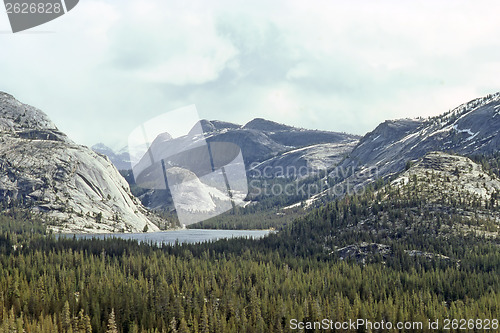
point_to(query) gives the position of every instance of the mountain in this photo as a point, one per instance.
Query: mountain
(120, 159)
(69, 186)
(269, 150)
(471, 128)
(430, 210)
(261, 140)
(262, 143)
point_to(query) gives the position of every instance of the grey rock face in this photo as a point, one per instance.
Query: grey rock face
(471, 128)
(450, 175)
(16, 117)
(69, 186)
(276, 149)
(304, 161)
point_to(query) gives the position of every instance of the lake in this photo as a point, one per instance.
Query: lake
(182, 236)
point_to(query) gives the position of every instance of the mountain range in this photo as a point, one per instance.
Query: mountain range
(262, 143)
(470, 129)
(76, 189)
(269, 149)
(273, 150)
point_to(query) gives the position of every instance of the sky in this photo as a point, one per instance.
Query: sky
(107, 66)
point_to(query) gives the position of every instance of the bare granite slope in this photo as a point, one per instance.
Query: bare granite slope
(68, 185)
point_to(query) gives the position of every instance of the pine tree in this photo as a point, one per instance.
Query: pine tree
(183, 327)
(204, 328)
(66, 318)
(112, 328)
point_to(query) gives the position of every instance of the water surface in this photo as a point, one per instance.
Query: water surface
(181, 236)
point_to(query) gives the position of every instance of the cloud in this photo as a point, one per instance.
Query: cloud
(156, 44)
(346, 66)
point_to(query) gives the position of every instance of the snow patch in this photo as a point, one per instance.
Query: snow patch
(293, 206)
(471, 137)
(400, 181)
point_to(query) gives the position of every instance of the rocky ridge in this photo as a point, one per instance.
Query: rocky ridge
(269, 150)
(471, 128)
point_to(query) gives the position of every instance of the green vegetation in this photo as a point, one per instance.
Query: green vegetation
(251, 217)
(490, 162)
(442, 261)
(70, 285)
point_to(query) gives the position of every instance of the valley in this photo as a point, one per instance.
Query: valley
(417, 238)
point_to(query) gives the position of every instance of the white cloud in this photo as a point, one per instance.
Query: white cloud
(109, 66)
(160, 44)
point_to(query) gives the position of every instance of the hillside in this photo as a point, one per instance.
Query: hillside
(471, 128)
(69, 186)
(437, 203)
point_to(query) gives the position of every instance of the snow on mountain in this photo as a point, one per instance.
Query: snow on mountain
(471, 128)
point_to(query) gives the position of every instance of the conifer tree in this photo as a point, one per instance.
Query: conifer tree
(112, 328)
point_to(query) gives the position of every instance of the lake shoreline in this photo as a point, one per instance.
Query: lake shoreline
(171, 237)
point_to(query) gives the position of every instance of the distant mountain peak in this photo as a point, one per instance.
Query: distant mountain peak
(100, 146)
(120, 159)
(266, 125)
(211, 126)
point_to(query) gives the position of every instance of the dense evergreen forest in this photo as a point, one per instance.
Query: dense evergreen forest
(51, 284)
(440, 261)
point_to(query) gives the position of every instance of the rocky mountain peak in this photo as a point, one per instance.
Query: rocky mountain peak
(213, 126)
(390, 130)
(22, 120)
(471, 128)
(210, 126)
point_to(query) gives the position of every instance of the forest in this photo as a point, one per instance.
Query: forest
(440, 263)
(69, 285)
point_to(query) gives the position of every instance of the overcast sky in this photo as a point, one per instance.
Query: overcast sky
(108, 66)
